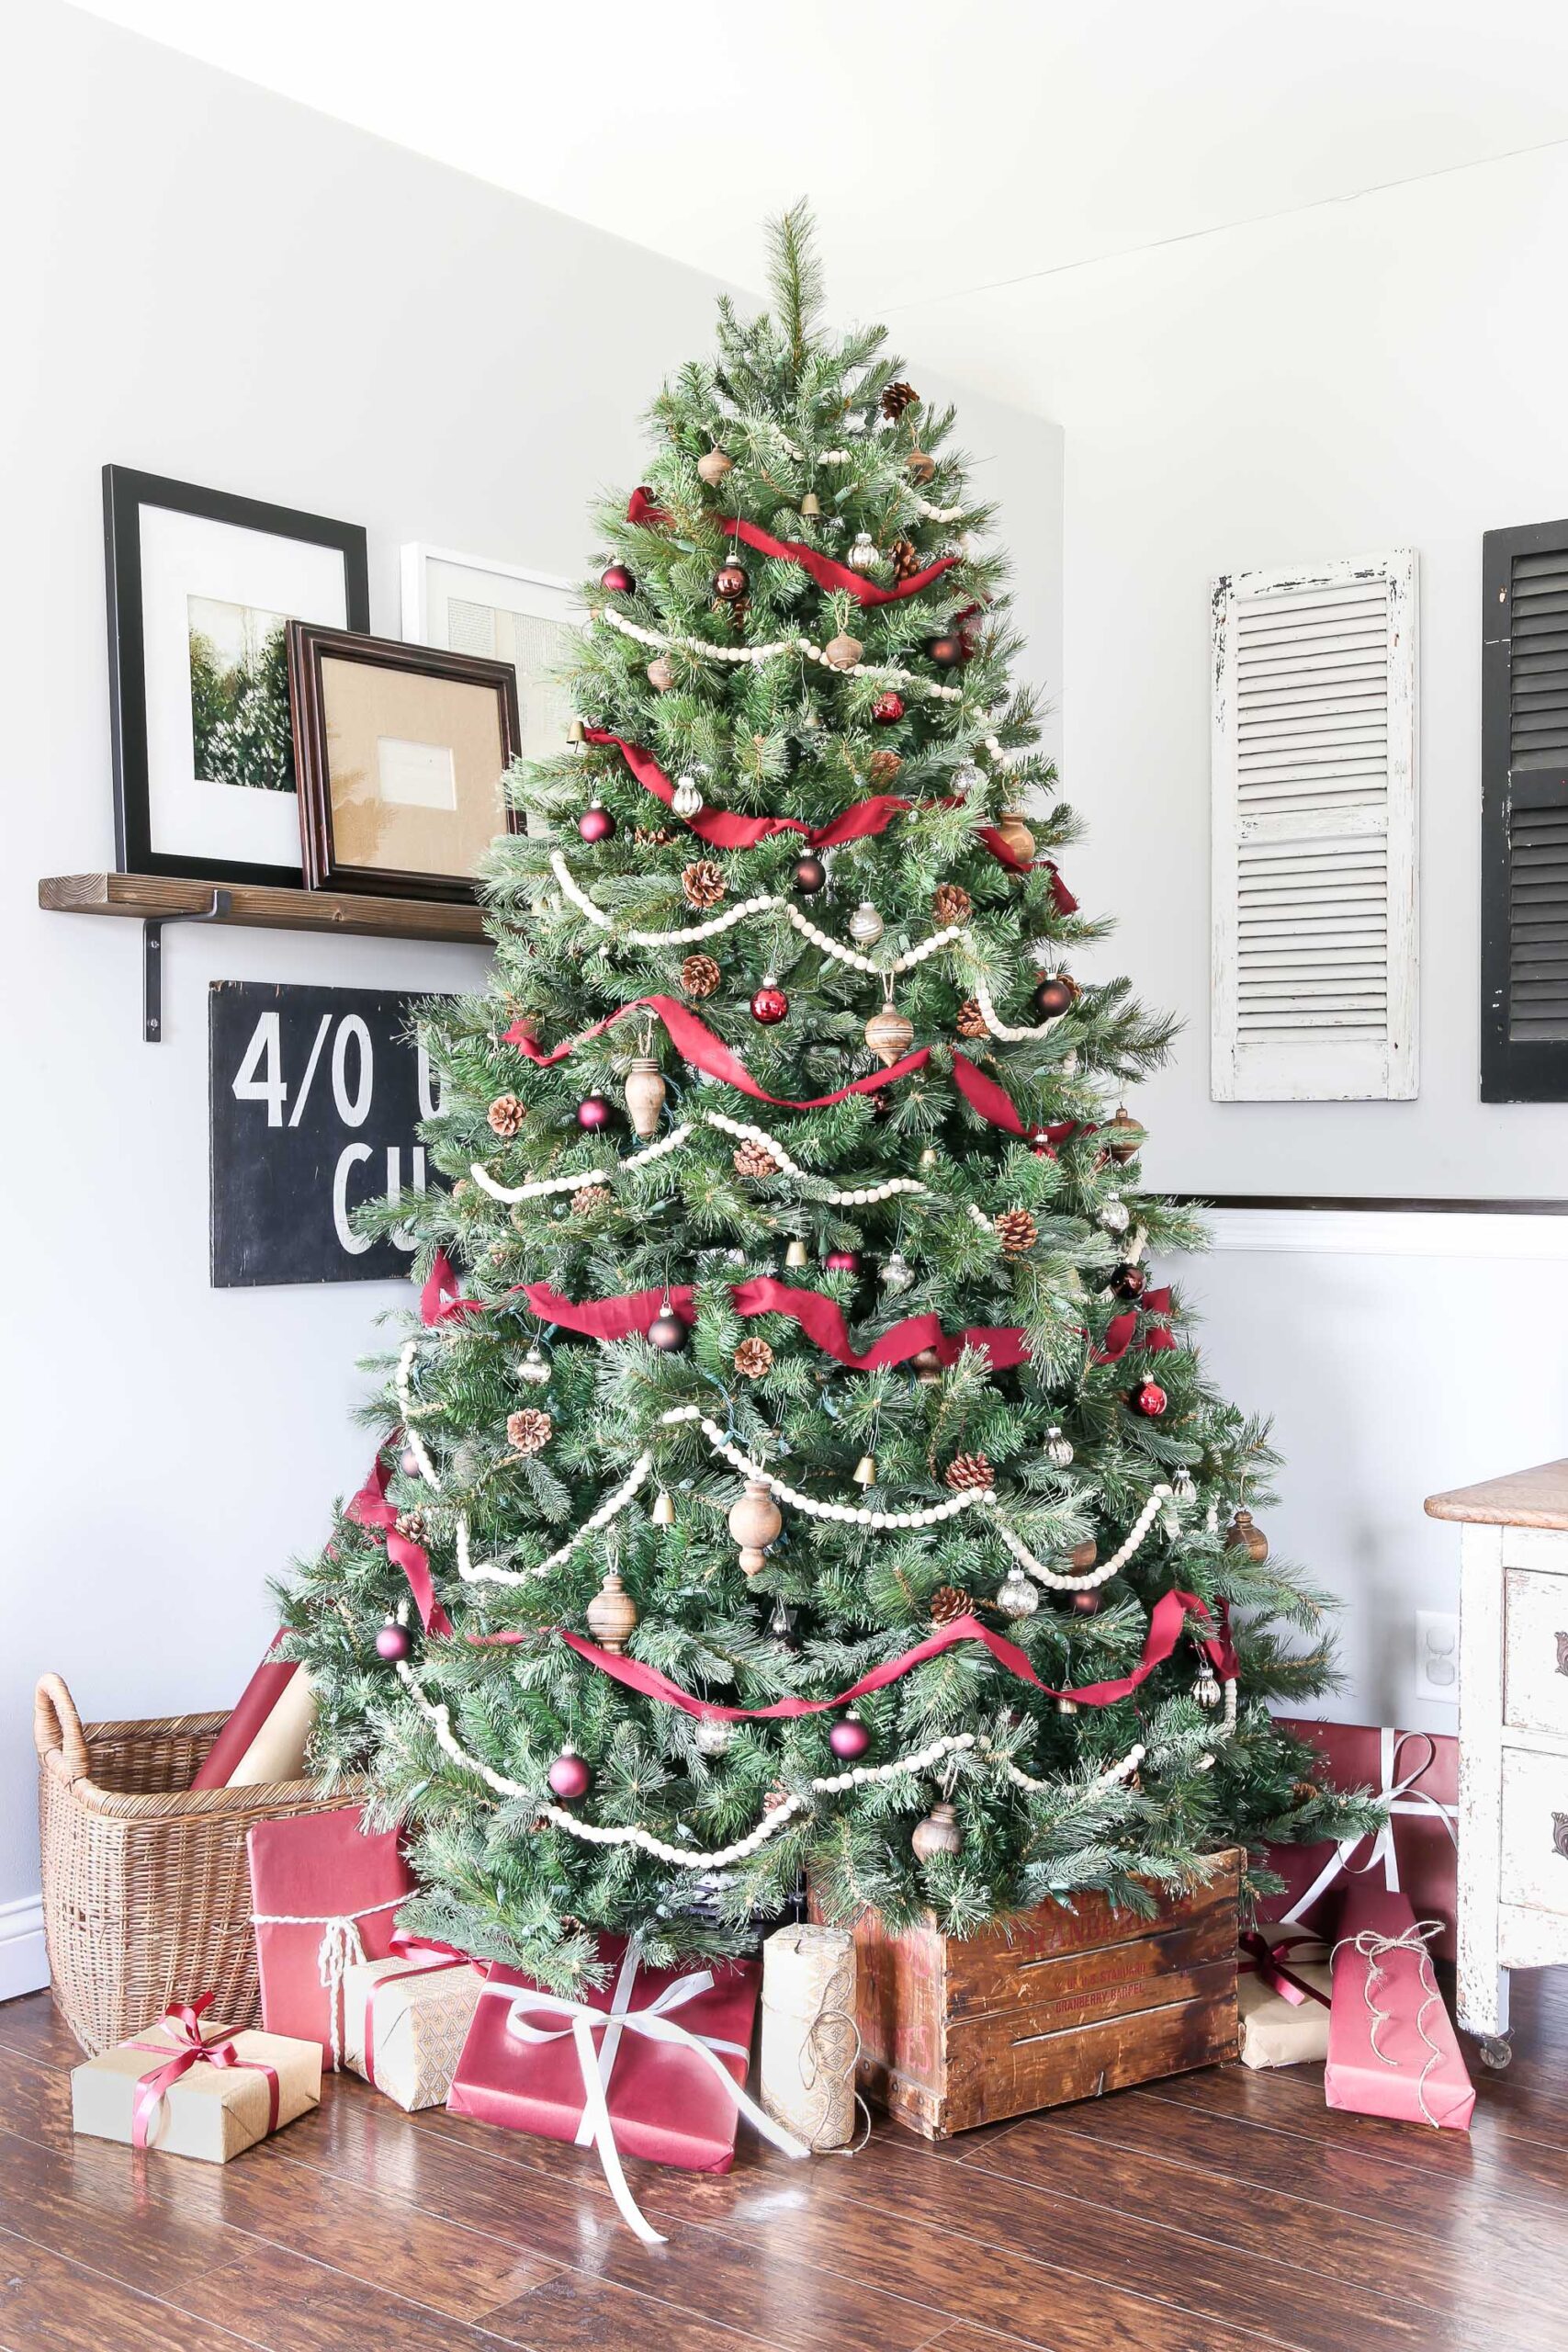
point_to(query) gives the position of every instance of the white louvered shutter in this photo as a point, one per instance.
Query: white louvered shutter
(1314, 844)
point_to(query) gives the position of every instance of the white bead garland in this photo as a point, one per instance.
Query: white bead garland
(1101, 1782)
(999, 1028)
(758, 654)
(850, 1513)
(409, 1410)
(488, 1572)
(542, 1185)
(1106, 1569)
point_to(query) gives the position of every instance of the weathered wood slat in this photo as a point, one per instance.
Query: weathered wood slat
(148, 897)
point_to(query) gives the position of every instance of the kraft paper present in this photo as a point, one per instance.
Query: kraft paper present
(1284, 2015)
(405, 2020)
(214, 2111)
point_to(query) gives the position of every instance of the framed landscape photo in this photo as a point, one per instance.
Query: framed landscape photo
(401, 752)
(202, 586)
(504, 614)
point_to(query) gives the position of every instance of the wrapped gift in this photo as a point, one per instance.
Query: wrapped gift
(650, 2064)
(190, 2093)
(323, 1899)
(1392, 2048)
(1416, 1773)
(1282, 1993)
(405, 2020)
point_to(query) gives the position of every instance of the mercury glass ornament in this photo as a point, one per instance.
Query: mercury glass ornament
(713, 1736)
(534, 1368)
(1206, 1690)
(1114, 1214)
(1017, 1597)
(898, 1273)
(686, 800)
(865, 924)
(1182, 1487)
(863, 556)
(1058, 1447)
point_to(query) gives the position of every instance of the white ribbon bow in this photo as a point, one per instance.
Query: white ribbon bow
(655, 2023)
(1399, 1796)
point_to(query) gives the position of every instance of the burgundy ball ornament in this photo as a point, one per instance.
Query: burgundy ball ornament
(769, 1004)
(569, 1776)
(849, 1740)
(668, 1333)
(843, 1261)
(946, 651)
(410, 1465)
(617, 579)
(1130, 1282)
(596, 824)
(1055, 996)
(887, 709)
(809, 875)
(593, 1114)
(1085, 1604)
(394, 1643)
(729, 582)
(1150, 1399)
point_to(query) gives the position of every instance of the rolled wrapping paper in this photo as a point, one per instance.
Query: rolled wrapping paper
(810, 2040)
(278, 1751)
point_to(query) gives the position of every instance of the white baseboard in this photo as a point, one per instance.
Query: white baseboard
(23, 1965)
(1390, 1233)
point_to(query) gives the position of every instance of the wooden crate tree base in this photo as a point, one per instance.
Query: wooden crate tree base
(1066, 2005)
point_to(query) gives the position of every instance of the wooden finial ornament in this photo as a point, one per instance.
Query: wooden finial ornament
(611, 1614)
(754, 1522)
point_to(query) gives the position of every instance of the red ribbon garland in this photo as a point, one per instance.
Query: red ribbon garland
(370, 1509)
(189, 2049)
(819, 1318)
(643, 509)
(696, 1044)
(440, 1301)
(1166, 1620)
(1122, 1330)
(722, 828)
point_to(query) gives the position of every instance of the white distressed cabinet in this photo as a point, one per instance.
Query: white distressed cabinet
(1512, 1736)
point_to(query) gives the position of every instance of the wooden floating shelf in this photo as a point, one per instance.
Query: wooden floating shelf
(151, 898)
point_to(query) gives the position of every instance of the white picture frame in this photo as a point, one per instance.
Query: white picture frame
(504, 611)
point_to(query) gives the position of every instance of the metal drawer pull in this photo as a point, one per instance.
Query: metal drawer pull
(1560, 1834)
(1562, 1653)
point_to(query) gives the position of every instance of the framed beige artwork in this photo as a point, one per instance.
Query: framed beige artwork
(402, 753)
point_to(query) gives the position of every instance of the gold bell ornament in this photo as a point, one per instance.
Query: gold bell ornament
(866, 1471)
(645, 1095)
(811, 506)
(663, 1511)
(798, 1254)
(611, 1614)
(575, 731)
(754, 1522)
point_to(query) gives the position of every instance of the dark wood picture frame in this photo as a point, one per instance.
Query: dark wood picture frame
(126, 493)
(310, 644)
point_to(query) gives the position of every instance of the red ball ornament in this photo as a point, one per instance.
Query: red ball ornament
(596, 824)
(849, 1740)
(392, 1643)
(769, 1004)
(843, 1261)
(668, 1333)
(592, 1113)
(1055, 996)
(1150, 1399)
(569, 1776)
(887, 709)
(947, 652)
(809, 875)
(617, 579)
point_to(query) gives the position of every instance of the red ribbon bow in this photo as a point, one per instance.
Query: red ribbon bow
(370, 1509)
(1260, 1957)
(182, 2020)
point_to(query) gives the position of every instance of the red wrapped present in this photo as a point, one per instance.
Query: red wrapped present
(1417, 1850)
(1392, 2046)
(323, 1898)
(651, 2064)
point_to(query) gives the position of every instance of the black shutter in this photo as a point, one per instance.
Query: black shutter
(1524, 786)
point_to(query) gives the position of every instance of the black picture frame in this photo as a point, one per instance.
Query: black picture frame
(127, 491)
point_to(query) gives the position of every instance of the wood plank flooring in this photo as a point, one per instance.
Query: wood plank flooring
(1224, 2212)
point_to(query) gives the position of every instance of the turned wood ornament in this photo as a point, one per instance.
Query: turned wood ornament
(611, 1614)
(843, 652)
(889, 1034)
(645, 1095)
(938, 1834)
(713, 467)
(754, 1522)
(661, 673)
(1125, 1135)
(1250, 1537)
(1083, 1555)
(1014, 834)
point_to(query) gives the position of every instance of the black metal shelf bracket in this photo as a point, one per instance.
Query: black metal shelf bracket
(152, 961)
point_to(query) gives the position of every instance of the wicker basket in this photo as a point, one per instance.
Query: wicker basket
(146, 1890)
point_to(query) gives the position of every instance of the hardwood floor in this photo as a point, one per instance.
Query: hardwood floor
(1221, 2211)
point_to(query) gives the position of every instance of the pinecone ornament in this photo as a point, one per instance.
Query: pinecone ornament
(700, 975)
(1017, 1232)
(905, 558)
(589, 1198)
(948, 1602)
(410, 1526)
(952, 904)
(529, 1429)
(897, 397)
(967, 1470)
(753, 1358)
(652, 836)
(702, 883)
(882, 766)
(755, 1159)
(506, 1114)
(972, 1021)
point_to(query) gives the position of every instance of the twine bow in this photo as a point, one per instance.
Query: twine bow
(181, 2021)
(655, 2023)
(1375, 1948)
(341, 1948)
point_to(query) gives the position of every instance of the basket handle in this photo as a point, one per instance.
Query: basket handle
(57, 1727)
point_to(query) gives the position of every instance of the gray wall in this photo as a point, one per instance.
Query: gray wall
(207, 281)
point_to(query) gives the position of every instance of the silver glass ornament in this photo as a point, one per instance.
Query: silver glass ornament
(898, 1273)
(713, 1737)
(865, 924)
(1059, 1448)
(1115, 1215)
(1017, 1597)
(686, 800)
(1206, 1690)
(863, 556)
(1182, 1487)
(533, 1368)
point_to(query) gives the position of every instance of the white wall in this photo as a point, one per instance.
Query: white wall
(207, 281)
(1372, 373)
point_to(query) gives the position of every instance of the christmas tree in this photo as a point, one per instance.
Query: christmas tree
(797, 1474)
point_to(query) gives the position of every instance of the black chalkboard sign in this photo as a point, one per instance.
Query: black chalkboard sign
(316, 1096)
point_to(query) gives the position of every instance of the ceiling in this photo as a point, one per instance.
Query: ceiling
(944, 148)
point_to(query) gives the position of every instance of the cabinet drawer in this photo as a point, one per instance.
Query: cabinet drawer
(1535, 1830)
(1535, 1670)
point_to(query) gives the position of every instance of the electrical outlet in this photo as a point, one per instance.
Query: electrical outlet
(1437, 1657)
